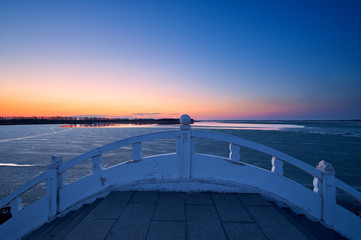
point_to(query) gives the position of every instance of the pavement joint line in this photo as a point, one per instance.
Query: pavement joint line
(198, 203)
(132, 194)
(254, 220)
(151, 218)
(257, 205)
(214, 205)
(238, 222)
(140, 203)
(168, 221)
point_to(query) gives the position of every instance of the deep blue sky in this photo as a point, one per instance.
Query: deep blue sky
(212, 59)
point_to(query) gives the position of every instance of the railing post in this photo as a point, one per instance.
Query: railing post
(62, 179)
(178, 145)
(185, 147)
(97, 163)
(277, 166)
(234, 152)
(328, 192)
(53, 183)
(137, 151)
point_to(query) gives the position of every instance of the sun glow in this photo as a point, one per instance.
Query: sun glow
(43, 98)
(143, 60)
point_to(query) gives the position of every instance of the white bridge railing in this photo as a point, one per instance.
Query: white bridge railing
(183, 170)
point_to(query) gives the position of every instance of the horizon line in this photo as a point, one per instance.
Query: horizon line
(130, 117)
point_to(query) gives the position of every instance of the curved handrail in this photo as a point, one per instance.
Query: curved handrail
(348, 189)
(174, 133)
(261, 148)
(22, 189)
(117, 144)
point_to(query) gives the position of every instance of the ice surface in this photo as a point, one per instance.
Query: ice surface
(26, 150)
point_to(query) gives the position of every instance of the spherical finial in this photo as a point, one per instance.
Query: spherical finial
(185, 120)
(325, 167)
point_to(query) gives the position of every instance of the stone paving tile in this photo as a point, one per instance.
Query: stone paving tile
(207, 230)
(230, 209)
(163, 230)
(133, 223)
(91, 229)
(170, 207)
(198, 198)
(274, 224)
(252, 199)
(244, 231)
(145, 197)
(112, 206)
(201, 213)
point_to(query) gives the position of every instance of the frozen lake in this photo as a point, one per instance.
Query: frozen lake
(26, 150)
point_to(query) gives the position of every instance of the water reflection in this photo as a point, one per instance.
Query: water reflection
(245, 126)
(108, 125)
(204, 125)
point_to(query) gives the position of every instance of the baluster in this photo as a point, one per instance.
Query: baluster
(277, 166)
(137, 151)
(234, 152)
(185, 147)
(328, 192)
(16, 206)
(97, 163)
(317, 185)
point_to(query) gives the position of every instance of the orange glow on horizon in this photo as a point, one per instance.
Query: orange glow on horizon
(49, 95)
(38, 104)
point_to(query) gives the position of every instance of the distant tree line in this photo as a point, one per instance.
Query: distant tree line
(84, 120)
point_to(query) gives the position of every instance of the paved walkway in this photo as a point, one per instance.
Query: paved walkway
(154, 215)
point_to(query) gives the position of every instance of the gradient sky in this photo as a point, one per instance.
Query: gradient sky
(210, 59)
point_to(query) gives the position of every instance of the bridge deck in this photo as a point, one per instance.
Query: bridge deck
(158, 215)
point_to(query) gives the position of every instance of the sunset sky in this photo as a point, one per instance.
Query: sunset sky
(210, 59)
